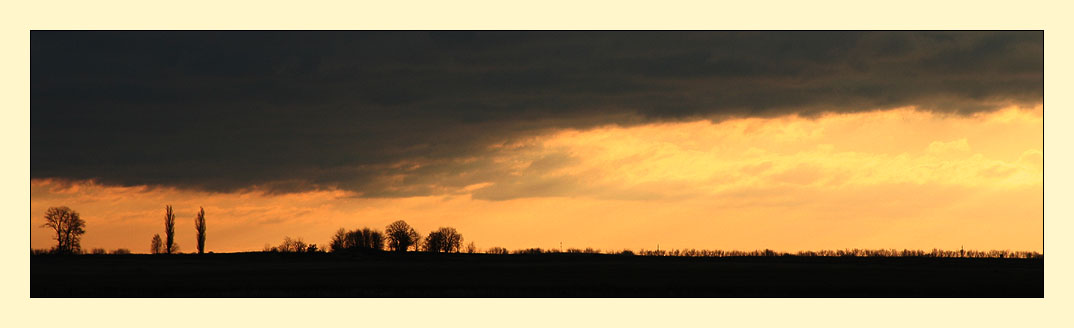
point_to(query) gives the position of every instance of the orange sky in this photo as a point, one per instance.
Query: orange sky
(884, 179)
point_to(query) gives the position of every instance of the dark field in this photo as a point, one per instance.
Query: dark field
(543, 275)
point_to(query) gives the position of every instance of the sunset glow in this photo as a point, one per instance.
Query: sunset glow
(896, 178)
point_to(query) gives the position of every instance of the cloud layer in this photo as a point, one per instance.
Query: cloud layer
(388, 114)
(900, 178)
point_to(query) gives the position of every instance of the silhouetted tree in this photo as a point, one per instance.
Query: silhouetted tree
(445, 239)
(169, 229)
(417, 241)
(358, 239)
(98, 251)
(471, 248)
(199, 226)
(292, 245)
(156, 246)
(69, 228)
(338, 240)
(365, 238)
(400, 236)
(121, 251)
(434, 242)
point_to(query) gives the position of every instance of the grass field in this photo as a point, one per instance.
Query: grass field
(537, 275)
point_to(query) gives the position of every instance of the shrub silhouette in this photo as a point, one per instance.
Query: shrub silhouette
(199, 226)
(587, 250)
(471, 248)
(98, 251)
(497, 250)
(401, 236)
(69, 228)
(121, 251)
(169, 229)
(156, 246)
(530, 251)
(445, 240)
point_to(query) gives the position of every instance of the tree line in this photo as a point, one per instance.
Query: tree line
(401, 237)
(856, 252)
(397, 237)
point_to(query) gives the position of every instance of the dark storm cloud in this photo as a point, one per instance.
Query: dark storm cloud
(411, 113)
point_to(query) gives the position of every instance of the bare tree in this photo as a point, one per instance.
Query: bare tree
(372, 239)
(69, 228)
(401, 236)
(445, 239)
(452, 240)
(293, 245)
(417, 241)
(471, 248)
(169, 229)
(156, 246)
(365, 238)
(199, 225)
(338, 240)
(434, 242)
(358, 239)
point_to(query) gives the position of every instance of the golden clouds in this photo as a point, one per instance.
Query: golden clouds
(886, 179)
(703, 158)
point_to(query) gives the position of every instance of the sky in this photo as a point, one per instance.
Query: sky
(613, 140)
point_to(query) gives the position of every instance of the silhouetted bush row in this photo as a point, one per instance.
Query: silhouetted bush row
(497, 250)
(690, 252)
(849, 253)
(587, 250)
(292, 246)
(95, 251)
